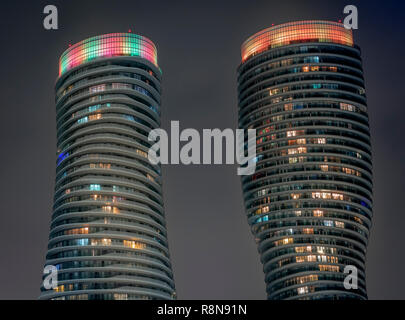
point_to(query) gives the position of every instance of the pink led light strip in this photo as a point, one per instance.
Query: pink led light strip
(108, 45)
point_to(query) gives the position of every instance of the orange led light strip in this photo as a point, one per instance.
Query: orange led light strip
(296, 32)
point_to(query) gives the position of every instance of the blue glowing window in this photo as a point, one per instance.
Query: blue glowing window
(94, 108)
(62, 156)
(130, 118)
(82, 242)
(95, 187)
(83, 120)
(328, 223)
(314, 59)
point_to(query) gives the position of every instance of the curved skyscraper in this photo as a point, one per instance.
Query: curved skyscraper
(309, 203)
(108, 237)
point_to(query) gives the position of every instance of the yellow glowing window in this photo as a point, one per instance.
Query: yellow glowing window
(60, 288)
(134, 244)
(101, 242)
(347, 107)
(321, 195)
(274, 91)
(304, 279)
(311, 258)
(300, 259)
(303, 249)
(78, 231)
(295, 195)
(318, 213)
(283, 241)
(95, 116)
(323, 267)
(142, 153)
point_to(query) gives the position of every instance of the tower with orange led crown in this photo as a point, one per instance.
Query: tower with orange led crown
(309, 203)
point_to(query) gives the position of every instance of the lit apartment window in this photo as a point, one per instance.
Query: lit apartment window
(83, 120)
(265, 209)
(134, 244)
(339, 224)
(303, 249)
(318, 213)
(97, 88)
(60, 288)
(328, 223)
(300, 259)
(324, 167)
(78, 231)
(302, 290)
(308, 230)
(95, 187)
(120, 296)
(329, 268)
(142, 153)
(283, 241)
(288, 106)
(320, 249)
(95, 116)
(101, 242)
(347, 107)
(311, 258)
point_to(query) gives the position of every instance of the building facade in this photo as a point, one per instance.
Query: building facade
(309, 203)
(108, 237)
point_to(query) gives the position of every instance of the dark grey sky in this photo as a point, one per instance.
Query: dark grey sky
(213, 253)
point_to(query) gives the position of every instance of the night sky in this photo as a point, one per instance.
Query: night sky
(213, 252)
